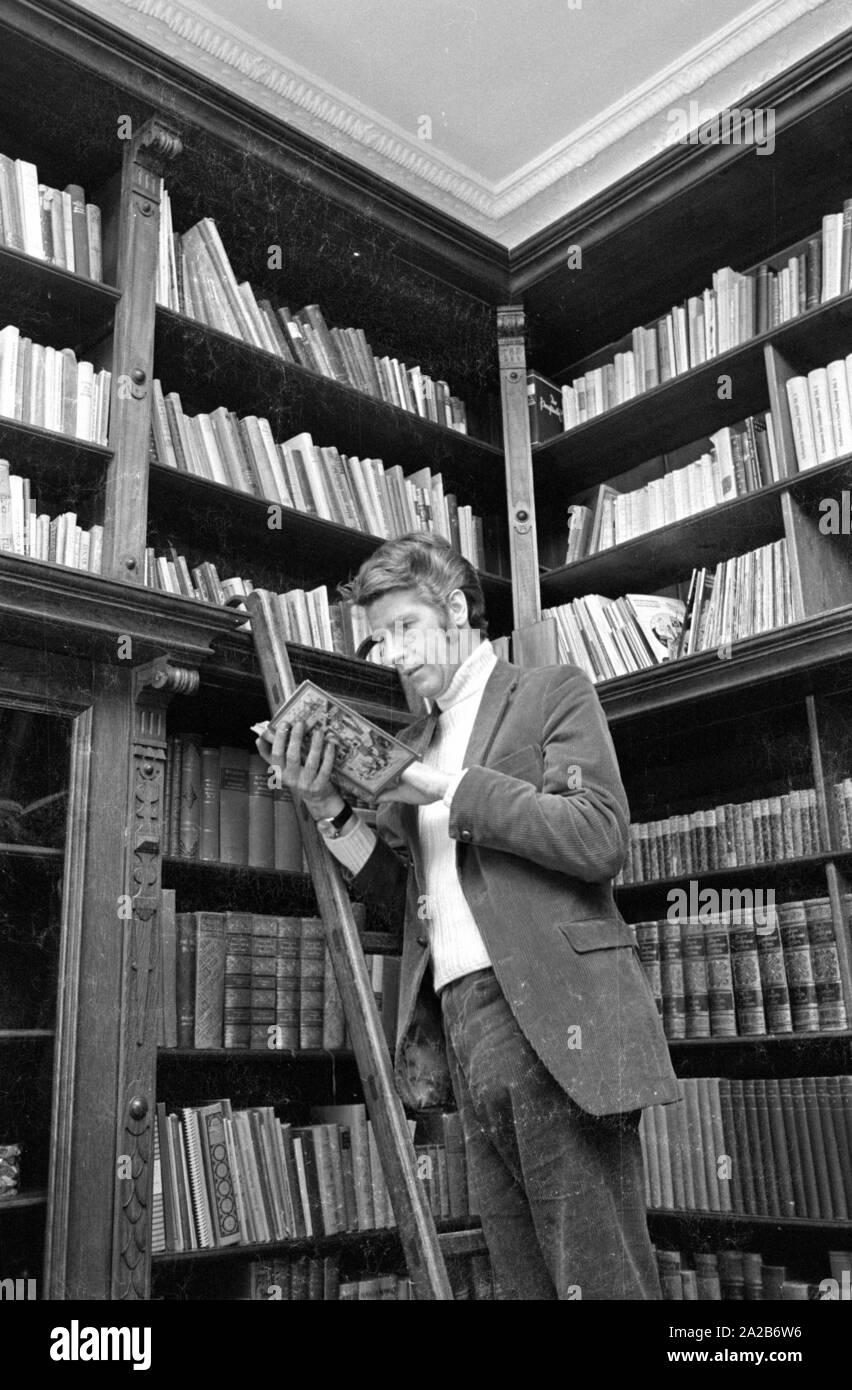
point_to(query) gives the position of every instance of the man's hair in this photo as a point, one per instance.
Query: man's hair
(424, 562)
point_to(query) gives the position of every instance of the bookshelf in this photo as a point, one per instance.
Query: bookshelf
(770, 712)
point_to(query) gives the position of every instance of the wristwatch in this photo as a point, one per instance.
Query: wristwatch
(331, 827)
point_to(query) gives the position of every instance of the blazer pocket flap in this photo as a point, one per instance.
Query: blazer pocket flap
(597, 933)
(525, 763)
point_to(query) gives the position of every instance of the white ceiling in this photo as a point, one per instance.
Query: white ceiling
(504, 113)
(501, 80)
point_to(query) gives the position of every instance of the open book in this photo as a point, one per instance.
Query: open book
(367, 761)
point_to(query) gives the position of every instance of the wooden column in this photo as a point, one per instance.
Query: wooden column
(154, 686)
(131, 242)
(533, 640)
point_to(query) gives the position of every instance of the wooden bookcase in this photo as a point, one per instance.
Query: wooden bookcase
(426, 288)
(118, 666)
(772, 711)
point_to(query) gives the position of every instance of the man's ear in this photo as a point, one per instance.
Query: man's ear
(457, 605)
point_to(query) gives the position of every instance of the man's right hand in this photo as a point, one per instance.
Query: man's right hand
(311, 776)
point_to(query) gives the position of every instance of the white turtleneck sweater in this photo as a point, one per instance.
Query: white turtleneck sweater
(457, 946)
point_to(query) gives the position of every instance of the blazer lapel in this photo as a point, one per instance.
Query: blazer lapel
(498, 691)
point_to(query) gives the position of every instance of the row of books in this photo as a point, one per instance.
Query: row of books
(48, 387)
(24, 530)
(743, 596)
(236, 1177)
(195, 277)
(313, 1278)
(246, 980)
(740, 1276)
(764, 1148)
(313, 479)
(821, 413)
(728, 836)
(221, 805)
(59, 227)
(743, 458)
(300, 1278)
(307, 617)
(753, 970)
(736, 307)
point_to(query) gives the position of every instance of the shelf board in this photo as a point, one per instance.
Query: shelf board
(52, 305)
(728, 1220)
(200, 510)
(25, 1034)
(251, 380)
(54, 607)
(792, 655)
(31, 852)
(764, 1056)
(319, 1244)
(35, 1198)
(733, 872)
(281, 1054)
(686, 408)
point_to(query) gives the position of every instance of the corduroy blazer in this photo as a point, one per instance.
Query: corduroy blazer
(540, 821)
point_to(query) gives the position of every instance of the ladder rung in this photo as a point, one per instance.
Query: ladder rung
(462, 1242)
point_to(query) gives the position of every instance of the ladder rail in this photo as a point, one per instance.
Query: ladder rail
(417, 1231)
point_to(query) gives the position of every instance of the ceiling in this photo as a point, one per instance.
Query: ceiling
(506, 115)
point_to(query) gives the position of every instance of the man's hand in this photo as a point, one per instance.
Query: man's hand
(418, 785)
(311, 778)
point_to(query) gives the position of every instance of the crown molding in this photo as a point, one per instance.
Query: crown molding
(745, 54)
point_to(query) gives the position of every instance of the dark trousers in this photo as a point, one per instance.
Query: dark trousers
(561, 1193)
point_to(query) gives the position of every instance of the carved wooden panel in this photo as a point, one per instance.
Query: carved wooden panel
(140, 978)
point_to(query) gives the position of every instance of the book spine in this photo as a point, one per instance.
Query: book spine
(209, 979)
(799, 967)
(671, 970)
(208, 834)
(190, 801)
(745, 968)
(311, 982)
(825, 965)
(261, 815)
(287, 982)
(720, 980)
(773, 975)
(264, 949)
(695, 980)
(185, 978)
(237, 984)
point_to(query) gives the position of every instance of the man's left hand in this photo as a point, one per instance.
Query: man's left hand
(418, 785)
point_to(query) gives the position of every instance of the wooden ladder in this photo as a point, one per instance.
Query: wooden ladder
(422, 1246)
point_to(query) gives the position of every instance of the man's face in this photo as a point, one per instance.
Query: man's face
(423, 642)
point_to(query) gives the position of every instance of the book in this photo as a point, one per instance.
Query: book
(234, 766)
(210, 958)
(367, 759)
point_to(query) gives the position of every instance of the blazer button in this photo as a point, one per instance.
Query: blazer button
(466, 835)
(422, 941)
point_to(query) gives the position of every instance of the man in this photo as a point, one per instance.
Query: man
(515, 821)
